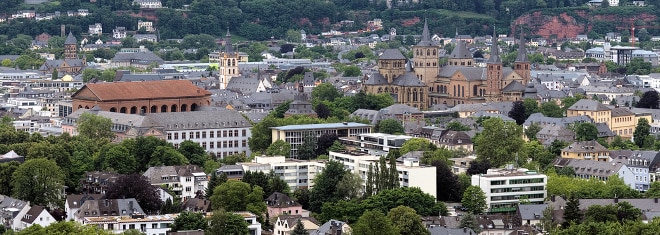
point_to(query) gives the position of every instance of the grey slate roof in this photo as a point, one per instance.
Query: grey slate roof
(376, 79)
(408, 79)
(425, 40)
(119, 207)
(308, 78)
(588, 105)
(138, 58)
(541, 119)
(531, 211)
(470, 73)
(591, 167)
(392, 54)
(450, 231)
(12, 205)
(514, 86)
(494, 52)
(76, 200)
(522, 51)
(280, 200)
(222, 118)
(243, 85)
(155, 173)
(32, 214)
(70, 39)
(460, 51)
(329, 227)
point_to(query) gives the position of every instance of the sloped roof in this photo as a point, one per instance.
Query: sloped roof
(155, 173)
(408, 79)
(514, 86)
(142, 90)
(70, 39)
(470, 73)
(460, 51)
(280, 200)
(588, 105)
(32, 214)
(376, 79)
(392, 54)
(425, 40)
(531, 211)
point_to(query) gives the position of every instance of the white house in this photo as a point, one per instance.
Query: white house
(119, 33)
(184, 180)
(296, 173)
(95, 29)
(12, 211)
(37, 215)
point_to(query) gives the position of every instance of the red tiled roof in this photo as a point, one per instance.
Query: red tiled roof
(142, 90)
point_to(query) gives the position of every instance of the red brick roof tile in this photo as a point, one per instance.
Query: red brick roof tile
(141, 90)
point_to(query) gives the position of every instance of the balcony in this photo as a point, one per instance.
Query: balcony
(177, 188)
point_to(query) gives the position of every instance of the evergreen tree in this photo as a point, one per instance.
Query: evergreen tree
(215, 181)
(369, 186)
(384, 174)
(394, 174)
(572, 213)
(375, 179)
(642, 134)
(299, 229)
(307, 150)
(518, 112)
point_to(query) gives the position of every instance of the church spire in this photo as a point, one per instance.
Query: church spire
(522, 50)
(494, 50)
(228, 48)
(425, 32)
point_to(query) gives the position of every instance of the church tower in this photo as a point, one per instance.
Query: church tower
(521, 66)
(461, 56)
(494, 72)
(425, 58)
(391, 64)
(70, 47)
(228, 63)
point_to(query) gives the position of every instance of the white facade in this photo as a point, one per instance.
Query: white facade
(297, 174)
(411, 174)
(119, 33)
(504, 188)
(220, 141)
(183, 180)
(378, 144)
(43, 219)
(147, 25)
(96, 29)
(150, 225)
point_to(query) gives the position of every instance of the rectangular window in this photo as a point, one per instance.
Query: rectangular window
(244, 133)
(235, 143)
(211, 134)
(188, 189)
(211, 144)
(224, 133)
(176, 136)
(244, 143)
(204, 134)
(183, 135)
(224, 144)
(197, 135)
(231, 134)
(236, 133)
(169, 136)
(204, 145)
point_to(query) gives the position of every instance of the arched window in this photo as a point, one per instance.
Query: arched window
(86, 107)
(428, 52)
(184, 108)
(122, 110)
(173, 108)
(474, 90)
(133, 110)
(154, 109)
(193, 107)
(143, 109)
(113, 109)
(434, 52)
(462, 91)
(163, 109)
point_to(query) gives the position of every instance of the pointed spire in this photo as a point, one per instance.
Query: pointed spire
(522, 50)
(228, 48)
(70, 39)
(425, 41)
(494, 50)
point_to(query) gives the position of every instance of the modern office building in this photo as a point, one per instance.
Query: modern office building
(295, 134)
(375, 143)
(296, 173)
(504, 188)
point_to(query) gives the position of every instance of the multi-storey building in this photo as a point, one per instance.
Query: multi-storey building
(228, 63)
(504, 188)
(185, 181)
(295, 134)
(586, 150)
(378, 144)
(146, 25)
(642, 164)
(97, 182)
(620, 120)
(296, 173)
(411, 173)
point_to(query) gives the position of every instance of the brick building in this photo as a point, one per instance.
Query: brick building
(147, 96)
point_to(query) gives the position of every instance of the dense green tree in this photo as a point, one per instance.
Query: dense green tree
(39, 181)
(325, 91)
(649, 100)
(6, 171)
(279, 148)
(572, 212)
(499, 141)
(532, 130)
(215, 181)
(642, 134)
(307, 150)
(299, 229)
(167, 156)
(189, 221)
(474, 199)
(138, 187)
(457, 126)
(350, 186)
(322, 111)
(470, 221)
(236, 195)
(325, 185)
(638, 66)
(119, 159)
(416, 144)
(324, 142)
(373, 222)
(195, 153)
(518, 112)
(94, 127)
(390, 126)
(407, 221)
(223, 222)
(531, 106)
(585, 131)
(448, 187)
(551, 109)
(415, 198)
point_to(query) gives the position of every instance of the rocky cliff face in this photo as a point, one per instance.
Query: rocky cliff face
(565, 25)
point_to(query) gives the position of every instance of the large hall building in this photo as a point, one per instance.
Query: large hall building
(423, 81)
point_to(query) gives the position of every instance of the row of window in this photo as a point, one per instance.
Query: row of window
(203, 134)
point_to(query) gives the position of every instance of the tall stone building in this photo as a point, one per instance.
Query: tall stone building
(70, 47)
(228, 63)
(395, 77)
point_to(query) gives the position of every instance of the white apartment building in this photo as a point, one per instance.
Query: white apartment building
(378, 144)
(505, 187)
(184, 180)
(149, 225)
(296, 173)
(147, 25)
(411, 174)
(295, 134)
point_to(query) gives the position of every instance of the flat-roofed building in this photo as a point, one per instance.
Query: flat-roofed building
(295, 134)
(505, 187)
(375, 143)
(296, 173)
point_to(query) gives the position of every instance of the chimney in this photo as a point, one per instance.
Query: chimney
(130, 206)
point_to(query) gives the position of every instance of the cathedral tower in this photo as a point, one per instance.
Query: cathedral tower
(70, 47)
(521, 66)
(228, 63)
(494, 72)
(425, 58)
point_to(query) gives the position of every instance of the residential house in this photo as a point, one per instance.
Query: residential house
(281, 204)
(12, 211)
(146, 37)
(108, 207)
(95, 29)
(456, 140)
(11, 156)
(641, 163)
(296, 173)
(504, 187)
(196, 205)
(146, 25)
(620, 120)
(586, 150)
(75, 201)
(233, 172)
(550, 133)
(332, 227)
(530, 214)
(185, 181)
(438, 230)
(587, 169)
(37, 215)
(119, 32)
(286, 223)
(147, 224)
(148, 3)
(97, 182)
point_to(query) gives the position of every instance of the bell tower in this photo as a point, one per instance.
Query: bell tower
(228, 63)
(494, 72)
(522, 66)
(70, 47)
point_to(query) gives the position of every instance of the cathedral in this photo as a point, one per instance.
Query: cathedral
(460, 81)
